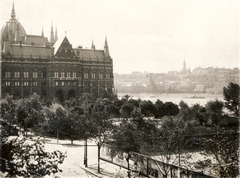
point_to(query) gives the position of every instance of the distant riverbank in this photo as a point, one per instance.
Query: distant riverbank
(190, 98)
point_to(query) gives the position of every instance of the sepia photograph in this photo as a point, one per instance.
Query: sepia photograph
(100, 88)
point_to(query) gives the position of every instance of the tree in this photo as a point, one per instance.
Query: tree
(8, 119)
(125, 138)
(223, 147)
(159, 112)
(147, 108)
(29, 112)
(166, 144)
(27, 158)
(170, 109)
(214, 109)
(126, 110)
(231, 97)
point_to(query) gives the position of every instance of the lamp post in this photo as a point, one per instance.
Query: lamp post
(85, 151)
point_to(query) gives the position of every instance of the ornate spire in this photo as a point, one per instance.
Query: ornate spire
(106, 51)
(93, 46)
(56, 35)
(13, 14)
(184, 65)
(52, 41)
(42, 32)
(105, 45)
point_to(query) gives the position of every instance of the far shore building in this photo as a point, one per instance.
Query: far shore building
(51, 68)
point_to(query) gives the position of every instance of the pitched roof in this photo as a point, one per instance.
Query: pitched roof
(36, 40)
(28, 51)
(90, 54)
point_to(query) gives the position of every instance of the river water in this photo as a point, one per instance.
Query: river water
(190, 99)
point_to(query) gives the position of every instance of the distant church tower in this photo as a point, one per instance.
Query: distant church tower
(184, 69)
(184, 65)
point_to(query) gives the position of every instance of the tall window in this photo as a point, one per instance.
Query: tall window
(25, 74)
(34, 74)
(74, 75)
(62, 74)
(100, 76)
(16, 74)
(34, 83)
(56, 74)
(44, 74)
(56, 83)
(7, 74)
(85, 76)
(8, 83)
(25, 83)
(68, 74)
(93, 76)
(16, 83)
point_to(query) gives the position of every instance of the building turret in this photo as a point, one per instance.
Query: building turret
(106, 50)
(56, 35)
(52, 41)
(42, 32)
(13, 14)
(93, 46)
(184, 65)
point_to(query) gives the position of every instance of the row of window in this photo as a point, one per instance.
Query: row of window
(62, 83)
(25, 75)
(56, 75)
(85, 75)
(18, 84)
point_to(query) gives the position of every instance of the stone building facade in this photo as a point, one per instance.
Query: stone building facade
(51, 68)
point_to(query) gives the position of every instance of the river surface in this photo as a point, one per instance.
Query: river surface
(190, 99)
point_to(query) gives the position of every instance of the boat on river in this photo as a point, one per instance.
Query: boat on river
(195, 97)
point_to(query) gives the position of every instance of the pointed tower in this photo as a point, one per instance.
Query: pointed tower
(93, 46)
(106, 50)
(184, 65)
(42, 32)
(52, 41)
(17, 34)
(56, 35)
(13, 14)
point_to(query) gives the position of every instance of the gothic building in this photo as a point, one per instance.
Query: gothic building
(51, 68)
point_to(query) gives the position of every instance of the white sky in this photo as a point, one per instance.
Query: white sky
(143, 35)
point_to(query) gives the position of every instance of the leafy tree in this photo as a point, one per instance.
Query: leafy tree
(125, 138)
(53, 117)
(167, 144)
(126, 110)
(159, 112)
(8, 119)
(29, 112)
(27, 158)
(223, 147)
(133, 102)
(100, 121)
(170, 109)
(231, 97)
(147, 108)
(214, 110)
